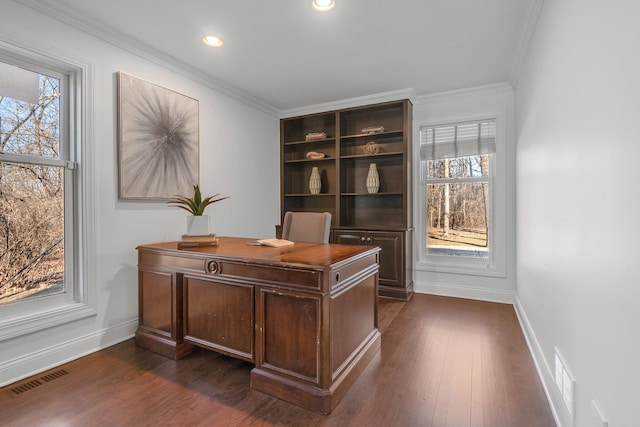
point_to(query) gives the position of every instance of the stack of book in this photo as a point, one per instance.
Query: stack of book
(197, 241)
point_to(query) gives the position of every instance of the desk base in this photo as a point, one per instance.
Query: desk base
(164, 346)
(315, 398)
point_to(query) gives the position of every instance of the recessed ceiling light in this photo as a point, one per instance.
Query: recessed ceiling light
(213, 41)
(323, 5)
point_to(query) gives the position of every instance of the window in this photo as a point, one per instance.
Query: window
(41, 282)
(34, 176)
(457, 171)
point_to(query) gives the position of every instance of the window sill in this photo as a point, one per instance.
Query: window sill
(466, 267)
(24, 325)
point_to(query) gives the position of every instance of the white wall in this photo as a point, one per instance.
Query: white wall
(473, 103)
(578, 130)
(238, 157)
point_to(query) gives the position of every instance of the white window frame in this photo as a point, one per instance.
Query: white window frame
(495, 264)
(31, 315)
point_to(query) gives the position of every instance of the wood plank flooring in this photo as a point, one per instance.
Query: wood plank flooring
(443, 362)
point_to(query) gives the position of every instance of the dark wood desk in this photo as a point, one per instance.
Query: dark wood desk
(305, 315)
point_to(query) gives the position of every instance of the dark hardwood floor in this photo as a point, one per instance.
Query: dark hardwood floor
(443, 362)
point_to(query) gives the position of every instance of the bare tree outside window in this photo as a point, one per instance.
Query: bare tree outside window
(32, 174)
(457, 212)
(455, 171)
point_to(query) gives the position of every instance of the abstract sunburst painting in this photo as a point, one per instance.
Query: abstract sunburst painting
(157, 140)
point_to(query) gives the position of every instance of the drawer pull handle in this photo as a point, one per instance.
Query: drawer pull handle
(337, 277)
(212, 266)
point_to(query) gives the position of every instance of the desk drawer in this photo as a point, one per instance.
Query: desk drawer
(305, 279)
(173, 262)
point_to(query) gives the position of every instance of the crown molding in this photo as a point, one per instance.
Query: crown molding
(395, 95)
(484, 90)
(525, 40)
(110, 35)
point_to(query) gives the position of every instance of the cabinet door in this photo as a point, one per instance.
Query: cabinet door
(157, 290)
(219, 315)
(349, 237)
(288, 336)
(391, 256)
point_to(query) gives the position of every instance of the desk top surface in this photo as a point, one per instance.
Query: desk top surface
(299, 254)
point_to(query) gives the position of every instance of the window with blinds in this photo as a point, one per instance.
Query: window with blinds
(456, 173)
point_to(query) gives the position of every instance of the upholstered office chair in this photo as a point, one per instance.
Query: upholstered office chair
(306, 227)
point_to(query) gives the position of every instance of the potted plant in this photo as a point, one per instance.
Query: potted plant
(197, 223)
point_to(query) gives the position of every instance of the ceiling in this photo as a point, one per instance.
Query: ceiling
(283, 55)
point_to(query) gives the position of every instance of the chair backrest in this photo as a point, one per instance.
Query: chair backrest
(306, 226)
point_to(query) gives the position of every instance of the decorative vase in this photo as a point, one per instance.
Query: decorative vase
(198, 225)
(314, 181)
(373, 180)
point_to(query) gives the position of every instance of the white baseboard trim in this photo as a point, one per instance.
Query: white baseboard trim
(446, 290)
(42, 360)
(542, 366)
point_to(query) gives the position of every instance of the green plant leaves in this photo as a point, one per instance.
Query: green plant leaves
(195, 204)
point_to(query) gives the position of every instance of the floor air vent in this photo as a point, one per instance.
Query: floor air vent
(54, 375)
(30, 385)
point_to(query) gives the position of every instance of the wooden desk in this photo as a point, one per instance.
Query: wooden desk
(305, 315)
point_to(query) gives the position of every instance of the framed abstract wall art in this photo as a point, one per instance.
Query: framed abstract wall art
(158, 137)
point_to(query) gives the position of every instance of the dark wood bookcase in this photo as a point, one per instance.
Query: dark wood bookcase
(381, 219)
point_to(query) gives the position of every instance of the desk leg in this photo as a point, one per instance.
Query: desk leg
(160, 314)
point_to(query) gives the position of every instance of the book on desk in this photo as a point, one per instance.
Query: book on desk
(275, 243)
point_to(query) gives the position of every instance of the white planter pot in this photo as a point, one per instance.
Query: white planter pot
(198, 225)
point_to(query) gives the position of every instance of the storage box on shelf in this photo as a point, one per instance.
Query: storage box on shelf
(355, 139)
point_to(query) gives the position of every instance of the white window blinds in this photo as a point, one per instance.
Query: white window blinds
(18, 83)
(457, 140)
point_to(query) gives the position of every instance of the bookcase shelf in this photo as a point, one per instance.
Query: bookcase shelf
(358, 217)
(310, 160)
(310, 143)
(311, 196)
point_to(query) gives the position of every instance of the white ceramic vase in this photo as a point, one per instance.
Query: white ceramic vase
(373, 180)
(198, 225)
(314, 182)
